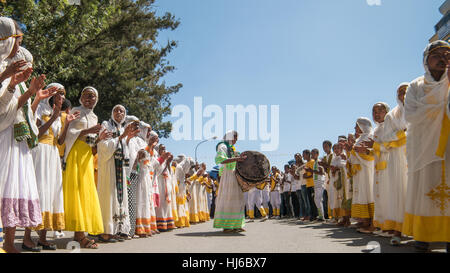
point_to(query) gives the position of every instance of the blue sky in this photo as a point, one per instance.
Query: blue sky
(324, 62)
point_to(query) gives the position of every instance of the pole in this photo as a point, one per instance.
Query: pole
(196, 147)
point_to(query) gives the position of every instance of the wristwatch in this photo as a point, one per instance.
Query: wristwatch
(11, 90)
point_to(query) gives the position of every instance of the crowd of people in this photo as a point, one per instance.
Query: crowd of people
(391, 176)
(62, 170)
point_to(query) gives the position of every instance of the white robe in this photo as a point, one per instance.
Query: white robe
(146, 196)
(230, 206)
(193, 202)
(337, 192)
(106, 186)
(47, 164)
(18, 190)
(164, 217)
(390, 171)
(182, 209)
(363, 200)
(427, 212)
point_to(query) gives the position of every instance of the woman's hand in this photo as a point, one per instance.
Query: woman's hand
(361, 149)
(46, 93)
(369, 143)
(169, 159)
(94, 129)
(57, 107)
(37, 84)
(141, 155)
(13, 69)
(105, 134)
(72, 117)
(21, 76)
(241, 158)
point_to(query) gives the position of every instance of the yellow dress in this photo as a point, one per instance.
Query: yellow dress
(81, 204)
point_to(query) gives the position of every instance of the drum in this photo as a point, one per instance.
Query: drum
(253, 171)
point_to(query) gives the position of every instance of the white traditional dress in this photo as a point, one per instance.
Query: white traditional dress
(390, 170)
(164, 216)
(47, 164)
(18, 135)
(81, 206)
(230, 206)
(147, 196)
(363, 175)
(182, 209)
(275, 198)
(18, 190)
(337, 186)
(134, 146)
(173, 193)
(427, 212)
(113, 161)
(203, 210)
(193, 202)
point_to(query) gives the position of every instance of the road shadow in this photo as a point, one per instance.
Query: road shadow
(60, 243)
(210, 234)
(351, 237)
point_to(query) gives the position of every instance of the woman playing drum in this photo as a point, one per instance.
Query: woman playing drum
(229, 212)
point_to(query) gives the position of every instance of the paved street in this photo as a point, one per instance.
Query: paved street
(271, 236)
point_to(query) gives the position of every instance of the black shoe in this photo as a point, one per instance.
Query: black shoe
(103, 240)
(32, 249)
(47, 247)
(421, 247)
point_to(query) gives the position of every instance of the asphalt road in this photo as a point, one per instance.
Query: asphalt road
(271, 236)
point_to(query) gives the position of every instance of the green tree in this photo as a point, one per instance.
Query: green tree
(109, 44)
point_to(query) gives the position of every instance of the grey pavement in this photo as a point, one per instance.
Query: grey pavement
(271, 236)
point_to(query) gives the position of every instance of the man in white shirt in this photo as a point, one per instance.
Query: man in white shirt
(287, 182)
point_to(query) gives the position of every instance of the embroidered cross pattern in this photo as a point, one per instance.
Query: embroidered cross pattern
(440, 196)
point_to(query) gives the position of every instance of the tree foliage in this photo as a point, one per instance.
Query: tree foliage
(109, 44)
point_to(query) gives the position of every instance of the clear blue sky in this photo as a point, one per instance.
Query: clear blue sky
(324, 62)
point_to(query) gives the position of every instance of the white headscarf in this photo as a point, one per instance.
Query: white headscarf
(96, 94)
(380, 125)
(366, 127)
(45, 109)
(143, 129)
(399, 102)
(425, 104)
(23, 54)
(229, 136)
(87, 120)
(7, 39)
(386, 106)
(130, 119)
(394, 122)
(119, 123)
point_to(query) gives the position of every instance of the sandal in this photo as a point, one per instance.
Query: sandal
(32, 249)
(228, 231)
(395, 241)
(365, 231)
(103, 240)
(87, 243)
(240, 230)
(47, 246)
(124, 236)
(118, 238)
